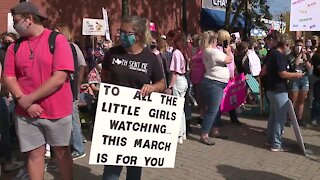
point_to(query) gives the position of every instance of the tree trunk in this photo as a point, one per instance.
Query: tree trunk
(125, 8)
(237, 13)
(228, 15)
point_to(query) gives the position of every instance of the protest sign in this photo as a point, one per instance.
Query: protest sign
(94, 27)
(106, 21)
(304, 14)
(131, 130)
(234, 94)
(10, 24)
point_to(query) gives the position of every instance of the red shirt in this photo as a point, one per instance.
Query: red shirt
(31, 73)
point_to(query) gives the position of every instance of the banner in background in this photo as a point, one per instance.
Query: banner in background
(94, 27)
(234, 93)
(304, 15)
(106, 21)
(131, 130)
(10, 24)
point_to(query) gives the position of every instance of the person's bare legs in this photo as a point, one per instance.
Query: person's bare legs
(36, 163)
(300, 104)
(64, 161)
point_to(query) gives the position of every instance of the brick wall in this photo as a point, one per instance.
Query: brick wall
(5, 6)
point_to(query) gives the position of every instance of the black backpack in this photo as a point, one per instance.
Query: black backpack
(73, 76)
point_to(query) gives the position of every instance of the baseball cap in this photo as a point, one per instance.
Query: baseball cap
(27, 7)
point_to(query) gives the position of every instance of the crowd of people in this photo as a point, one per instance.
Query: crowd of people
(47, 80)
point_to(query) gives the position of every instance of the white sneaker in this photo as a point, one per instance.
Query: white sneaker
(22, 174)
(13, 165)
(180, 140)
(314, 123)
(47, 154)
(184, 137)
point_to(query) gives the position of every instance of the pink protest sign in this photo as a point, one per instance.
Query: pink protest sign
(234, 93)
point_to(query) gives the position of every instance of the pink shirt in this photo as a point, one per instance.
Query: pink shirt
(178, 63)
(31, 73)
(197, 68)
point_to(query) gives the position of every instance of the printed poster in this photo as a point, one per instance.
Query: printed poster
(93, 27)
(131, 130)
(304, 15)
(234, 93)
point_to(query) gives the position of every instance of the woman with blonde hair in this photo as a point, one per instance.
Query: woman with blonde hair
(215, 80)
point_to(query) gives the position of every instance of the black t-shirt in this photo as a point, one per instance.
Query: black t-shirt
(276, 63)
(316, 64)
(242, 64)
(132, 70)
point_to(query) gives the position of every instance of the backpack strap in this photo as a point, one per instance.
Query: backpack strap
(52, 41)
(17, 44)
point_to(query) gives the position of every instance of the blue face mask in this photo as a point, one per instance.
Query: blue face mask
(127, 41)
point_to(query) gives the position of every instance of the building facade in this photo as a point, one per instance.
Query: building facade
(166, 14)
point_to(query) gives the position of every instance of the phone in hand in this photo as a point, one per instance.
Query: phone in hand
(225, 44)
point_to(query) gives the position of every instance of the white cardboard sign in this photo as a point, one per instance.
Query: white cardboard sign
(93, 27)
(131, 130)
(304, 15)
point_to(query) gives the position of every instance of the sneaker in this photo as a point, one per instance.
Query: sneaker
(51, 166)
(278, 149)
(13, 165)
(76, 155)
(314, 123)
(288, 123)
(302, 123)
(22, 174)
(180, 140)
(84, 140)
(47, 154)
(184, 137)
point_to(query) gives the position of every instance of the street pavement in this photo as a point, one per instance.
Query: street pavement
(242, 156)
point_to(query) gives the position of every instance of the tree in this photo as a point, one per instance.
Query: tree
(125, 8)
(259, 8)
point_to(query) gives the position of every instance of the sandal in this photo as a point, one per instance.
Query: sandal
(206, 141)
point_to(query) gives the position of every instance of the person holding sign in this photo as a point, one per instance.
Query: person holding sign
(132, 65)
(277, 92)
(215, 80)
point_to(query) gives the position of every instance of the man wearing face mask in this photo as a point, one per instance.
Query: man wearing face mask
(39, 83)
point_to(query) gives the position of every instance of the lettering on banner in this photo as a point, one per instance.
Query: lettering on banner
(115, 91)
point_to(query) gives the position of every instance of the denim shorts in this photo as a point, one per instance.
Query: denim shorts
(301, 84)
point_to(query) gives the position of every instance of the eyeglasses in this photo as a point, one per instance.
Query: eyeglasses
(16, 21)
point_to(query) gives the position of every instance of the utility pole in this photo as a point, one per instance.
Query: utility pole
(246, 25)
(125, 8)
(184, 16)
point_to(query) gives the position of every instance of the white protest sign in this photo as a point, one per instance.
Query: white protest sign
(106, 21)
(94, 27)
(10, 24)
(304, 15)
(131, 130)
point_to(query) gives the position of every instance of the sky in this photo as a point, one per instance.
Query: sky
(279, 6)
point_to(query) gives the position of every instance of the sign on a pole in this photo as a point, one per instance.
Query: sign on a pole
(131, 130)
(304, 15)
(10, 24)
(106, 21)
(94, 27)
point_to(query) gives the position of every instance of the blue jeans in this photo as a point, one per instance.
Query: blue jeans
(180, 90)
(76, 130)
(5, 140)
(213, 93)
(113, 173)
(277, 117)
